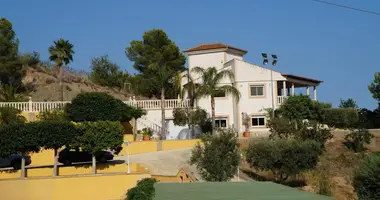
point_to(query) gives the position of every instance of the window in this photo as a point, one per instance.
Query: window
(258, 121)
(257, 90)
(221, 122)
(220, 93)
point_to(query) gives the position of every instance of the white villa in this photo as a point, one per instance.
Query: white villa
(253, 82)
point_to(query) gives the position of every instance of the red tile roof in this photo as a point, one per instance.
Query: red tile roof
(301, 78)
(213, 46)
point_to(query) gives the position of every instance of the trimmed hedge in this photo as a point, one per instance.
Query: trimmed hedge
(56, 134)
(99, 136)
(98, 106)
(19, 139)
(341, 117)
(367, 178)
(284, 157)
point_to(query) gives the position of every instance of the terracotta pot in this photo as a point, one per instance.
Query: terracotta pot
(146, 137)
(247, 134)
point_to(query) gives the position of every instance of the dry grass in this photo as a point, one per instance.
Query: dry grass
(46, 85)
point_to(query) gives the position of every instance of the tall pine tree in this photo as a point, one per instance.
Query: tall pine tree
(159, 60)
(11, 69)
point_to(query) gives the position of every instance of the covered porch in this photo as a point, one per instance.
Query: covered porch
(288, 87)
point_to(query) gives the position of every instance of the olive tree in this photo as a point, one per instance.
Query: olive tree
(218, 157)
(283, 157)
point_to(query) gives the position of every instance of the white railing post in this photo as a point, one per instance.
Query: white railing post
(134, 103)
(30, 103)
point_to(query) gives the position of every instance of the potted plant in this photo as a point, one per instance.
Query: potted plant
(147, 133)
(247, 124)
(138, 136)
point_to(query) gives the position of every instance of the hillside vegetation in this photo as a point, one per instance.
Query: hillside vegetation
(45, 83)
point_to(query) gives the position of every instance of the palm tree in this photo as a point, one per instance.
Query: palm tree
(191, 88)
(210, 85)
(62, 54)
(164, 78)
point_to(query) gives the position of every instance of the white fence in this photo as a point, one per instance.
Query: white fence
(31, 106)
(281, 99)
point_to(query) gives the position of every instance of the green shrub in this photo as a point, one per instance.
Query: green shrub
(144, 190)
(56, 134)
(190, 116)
(341, 118)
(97, 106)
(314, 131)
(10, 115)
(99, 136)
(146, 132)
(206, 126)
(218, 158)
(19, 139)
(53, 115)
(356, 139)
(283, 157)
(369, 119)
(281, 127)
(366, 179)
(300, 107)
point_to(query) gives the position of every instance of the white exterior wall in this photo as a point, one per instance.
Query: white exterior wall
(216, 59)
(247, 74)
(223, 105)
(230, 56)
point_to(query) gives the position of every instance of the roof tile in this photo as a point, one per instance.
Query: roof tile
(214, 46)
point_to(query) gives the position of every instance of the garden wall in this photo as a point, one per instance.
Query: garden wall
(99, 187)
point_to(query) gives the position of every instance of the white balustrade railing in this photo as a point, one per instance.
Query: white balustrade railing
(144, 122)
(46, 106)
(23, 106)
(31, 106)
(281, 99)
(156, 104)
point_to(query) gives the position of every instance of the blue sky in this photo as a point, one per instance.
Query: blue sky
(336, 45)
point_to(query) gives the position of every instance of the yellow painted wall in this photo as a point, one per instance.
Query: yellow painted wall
(9, 174)
(99, 187)
(128, 137)
(178, 144)
(46, 157)
(139, 147)
(102, 168)
(183, 176)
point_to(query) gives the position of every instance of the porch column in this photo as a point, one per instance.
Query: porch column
(307, 91)
(315, 93)
(292, 89)
(284, 88)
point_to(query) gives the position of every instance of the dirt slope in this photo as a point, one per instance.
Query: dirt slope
(46, 85)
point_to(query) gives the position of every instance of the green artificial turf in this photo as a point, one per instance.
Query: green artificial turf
(231, 191)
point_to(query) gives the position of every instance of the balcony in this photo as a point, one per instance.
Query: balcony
(281, 100)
